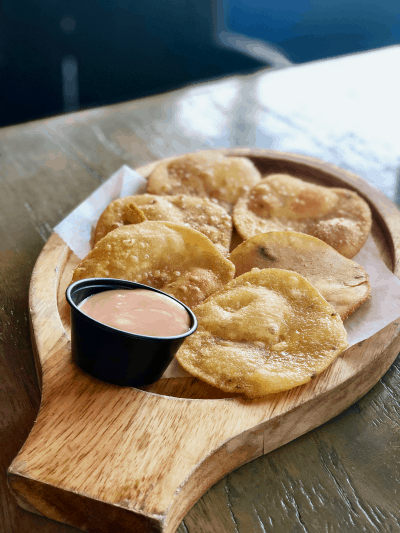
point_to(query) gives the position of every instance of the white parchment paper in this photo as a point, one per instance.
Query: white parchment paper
(382, 309)
(77, 229)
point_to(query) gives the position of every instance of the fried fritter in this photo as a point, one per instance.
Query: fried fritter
(342, 282)
(158, 254)
(280, 202)
(198, 213)
(132, 214)
(206, 175)
(264, 332)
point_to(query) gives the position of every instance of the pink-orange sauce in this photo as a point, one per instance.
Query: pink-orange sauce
(138, 311)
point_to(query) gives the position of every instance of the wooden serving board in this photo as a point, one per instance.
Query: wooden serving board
(105, 458)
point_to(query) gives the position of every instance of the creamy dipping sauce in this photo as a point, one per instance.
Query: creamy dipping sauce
(138, 311)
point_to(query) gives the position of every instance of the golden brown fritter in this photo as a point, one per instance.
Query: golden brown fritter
(342, 282)
(280, 202)
(205, 175)
(264, 332)
(198, 213)
(158, 254)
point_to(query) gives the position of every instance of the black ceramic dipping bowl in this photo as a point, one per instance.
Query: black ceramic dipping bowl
(113, 355)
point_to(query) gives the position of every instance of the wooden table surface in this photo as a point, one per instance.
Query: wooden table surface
(343, 476)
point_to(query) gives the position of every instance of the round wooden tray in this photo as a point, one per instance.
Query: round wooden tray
(108, 458)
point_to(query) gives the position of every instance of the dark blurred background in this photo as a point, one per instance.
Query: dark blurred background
(58, 56)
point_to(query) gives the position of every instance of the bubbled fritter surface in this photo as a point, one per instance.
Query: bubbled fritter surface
(342, 282)
(198, 213)
(178, 260)
(208, 175)
(280, 202)
(264, 332)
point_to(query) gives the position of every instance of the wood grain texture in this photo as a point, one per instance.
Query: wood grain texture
(101, 456)
(342, 476)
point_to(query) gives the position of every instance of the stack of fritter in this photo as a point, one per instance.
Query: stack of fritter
(280, 321)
